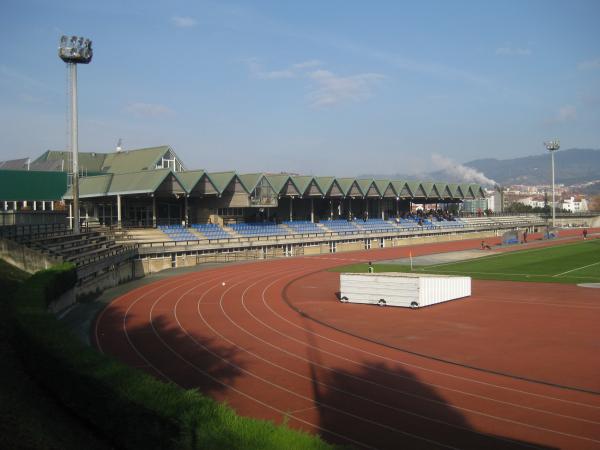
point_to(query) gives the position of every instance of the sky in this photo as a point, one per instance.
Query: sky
(327, 87)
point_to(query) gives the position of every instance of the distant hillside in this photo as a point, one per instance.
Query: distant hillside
(574, 166)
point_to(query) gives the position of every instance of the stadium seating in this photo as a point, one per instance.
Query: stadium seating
(254, 229)
(304, 227)
(376, 225)
(340, 226)
(211, 231)
(177, 233)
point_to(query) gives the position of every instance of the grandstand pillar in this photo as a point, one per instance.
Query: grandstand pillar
(382, 209)
(119, 210)
(291, 208)
(154, 211)
(185, 210)
(330, 209)
(43, 206)
(51, 206)
(312, 210)
(70, 216)
(397, 207)
(14, 206)
(34, 205)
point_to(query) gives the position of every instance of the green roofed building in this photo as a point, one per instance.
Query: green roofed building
(151, 186)
(31, 190)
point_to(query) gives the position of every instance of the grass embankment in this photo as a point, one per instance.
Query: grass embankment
(567, 263)
(132, 409)
(29, 417)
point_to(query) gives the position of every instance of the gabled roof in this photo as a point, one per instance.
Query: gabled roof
(466, 190)
(190, 178)
(302, 183)
(324, 183)
(443, 190)
(477, 191)
(398, 186)
(250, 180)
(413, 187)
(364, 185)
(430, 190)
(221, 180)
(18, 185)
(134, 160)
(278, 181)
(141, 182)
(383, 185)
(350, 187)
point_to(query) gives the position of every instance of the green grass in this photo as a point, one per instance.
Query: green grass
(567, 263)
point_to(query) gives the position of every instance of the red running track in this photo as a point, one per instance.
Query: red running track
(507, 368)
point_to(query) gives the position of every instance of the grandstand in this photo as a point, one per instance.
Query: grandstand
(147, 198)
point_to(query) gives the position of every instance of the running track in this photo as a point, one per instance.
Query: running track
(275, 343)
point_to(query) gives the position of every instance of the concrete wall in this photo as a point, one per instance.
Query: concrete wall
(589, 222)
(121, 273)
(25, 258)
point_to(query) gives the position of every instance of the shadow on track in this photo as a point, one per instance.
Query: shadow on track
(385, 406)
(170, 353)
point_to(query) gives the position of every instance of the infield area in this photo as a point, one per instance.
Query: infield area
(570, 263)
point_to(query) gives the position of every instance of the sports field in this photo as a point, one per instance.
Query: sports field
(567, 263)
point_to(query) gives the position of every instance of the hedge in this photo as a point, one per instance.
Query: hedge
(130, 408)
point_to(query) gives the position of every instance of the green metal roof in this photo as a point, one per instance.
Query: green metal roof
(221, 180)
(346, 184)
(89, 162)
(190, 178)
(133, 160)
(277, 181)
(383, 185)
(301, 182)
(18, 185)
(250, 180)
(324, 183)
(92, 186)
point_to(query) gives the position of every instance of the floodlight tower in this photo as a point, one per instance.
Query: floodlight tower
(553, 146)
(75, 50)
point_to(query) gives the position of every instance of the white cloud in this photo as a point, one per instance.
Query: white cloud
(183, 22)
(565, 113)
(513, 51)
(292, 71)
(327, 89)
(589, 64)
(330, 89)
(142, 109)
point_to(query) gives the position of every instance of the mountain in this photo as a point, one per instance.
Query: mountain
(573, 166)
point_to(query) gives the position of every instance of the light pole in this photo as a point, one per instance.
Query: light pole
(75, 50)
(553, 146)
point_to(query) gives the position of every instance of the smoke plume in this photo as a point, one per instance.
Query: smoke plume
(462, 173)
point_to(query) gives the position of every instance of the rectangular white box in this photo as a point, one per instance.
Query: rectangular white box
(409, 290)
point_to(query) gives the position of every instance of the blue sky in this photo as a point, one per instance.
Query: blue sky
(321, 87)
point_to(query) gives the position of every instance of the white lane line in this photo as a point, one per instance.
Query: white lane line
(577, 268)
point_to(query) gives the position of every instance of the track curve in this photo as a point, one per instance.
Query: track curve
(228, 332)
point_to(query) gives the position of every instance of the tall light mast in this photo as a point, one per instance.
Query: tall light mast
(75, 50)
(552, 146)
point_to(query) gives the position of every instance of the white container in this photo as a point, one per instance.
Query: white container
(409, 290)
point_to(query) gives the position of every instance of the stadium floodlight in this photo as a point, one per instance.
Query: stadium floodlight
(553, 146)
(75, 50)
